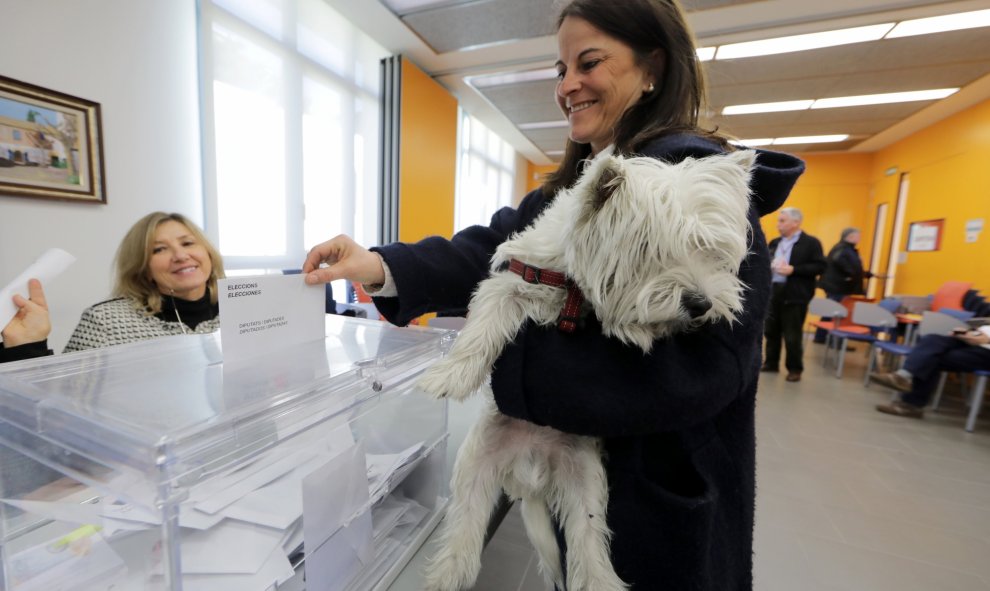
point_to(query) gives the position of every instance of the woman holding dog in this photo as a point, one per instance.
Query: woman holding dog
(678, 423)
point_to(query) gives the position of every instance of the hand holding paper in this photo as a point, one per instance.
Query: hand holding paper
(48, 266)
(31, 323)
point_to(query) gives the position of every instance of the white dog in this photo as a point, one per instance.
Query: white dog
(654, 248)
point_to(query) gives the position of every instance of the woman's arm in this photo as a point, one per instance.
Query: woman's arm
(436, 274)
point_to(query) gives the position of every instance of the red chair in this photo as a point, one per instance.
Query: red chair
(950, 295)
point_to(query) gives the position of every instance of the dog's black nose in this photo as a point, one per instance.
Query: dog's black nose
(695, 305)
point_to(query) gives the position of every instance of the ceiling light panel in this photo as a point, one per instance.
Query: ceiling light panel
(810, 139)
(940, 24)
(767, 107)
(706, 53)
(803, 42)
(402, 7)
(481, 23)
(489, 80)
(883, 99)
(766, 141)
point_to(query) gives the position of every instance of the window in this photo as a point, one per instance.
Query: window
(486, 174)
(290, 108)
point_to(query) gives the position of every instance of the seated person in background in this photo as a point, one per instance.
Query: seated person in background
(166, 284)
(965, 350)
(26, 335)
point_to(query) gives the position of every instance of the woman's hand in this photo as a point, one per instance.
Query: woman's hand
(346, 259)
(31, 323)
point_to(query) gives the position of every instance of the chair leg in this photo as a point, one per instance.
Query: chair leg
(869, 367)
(842, 358)
(976, 401)
(938, 390)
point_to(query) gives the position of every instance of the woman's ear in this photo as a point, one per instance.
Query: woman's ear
(658, 65)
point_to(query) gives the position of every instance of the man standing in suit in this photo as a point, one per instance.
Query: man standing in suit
(798, 259)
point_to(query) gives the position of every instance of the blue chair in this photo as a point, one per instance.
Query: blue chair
(961, 315)
(891, 304)
(931, 323)
(875, 319)
(975, 396)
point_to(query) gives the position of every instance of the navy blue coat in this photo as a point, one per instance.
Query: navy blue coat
(678, 423)
(843, 271)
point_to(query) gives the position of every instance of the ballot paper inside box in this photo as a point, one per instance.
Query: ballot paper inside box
(157, 466)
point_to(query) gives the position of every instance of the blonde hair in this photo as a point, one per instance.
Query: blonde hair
(132, 279)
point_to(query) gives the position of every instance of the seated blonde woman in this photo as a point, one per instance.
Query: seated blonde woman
(166, 284)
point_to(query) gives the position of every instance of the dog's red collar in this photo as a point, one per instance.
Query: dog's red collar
(567, 321)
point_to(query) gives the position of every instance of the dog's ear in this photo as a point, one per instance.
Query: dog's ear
(744, 158)
(608, 182)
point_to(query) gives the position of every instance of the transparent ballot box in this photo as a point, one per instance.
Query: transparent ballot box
(157, 465)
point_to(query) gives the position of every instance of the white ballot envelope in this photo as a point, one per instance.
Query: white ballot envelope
(48, 266)
(264, 313)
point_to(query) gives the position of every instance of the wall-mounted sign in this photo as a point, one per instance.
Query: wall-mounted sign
(925, 236)
(973, 229)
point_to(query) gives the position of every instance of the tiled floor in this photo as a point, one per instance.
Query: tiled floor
(848, 499)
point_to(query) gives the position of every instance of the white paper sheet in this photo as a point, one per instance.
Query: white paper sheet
(189, 517)
(48, 266)
(275, 571)
(335, 544)
(80, 513)
(261, 313)
(381, 467)
(334, 564)
(230, 547)
(276, 505)
(241, 488)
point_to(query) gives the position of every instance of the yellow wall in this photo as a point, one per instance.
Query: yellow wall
(427, 156)
(949, 178)
(832, 194)
(535, 174)
(948, 167)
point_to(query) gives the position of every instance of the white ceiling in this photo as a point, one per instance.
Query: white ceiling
(453, 40)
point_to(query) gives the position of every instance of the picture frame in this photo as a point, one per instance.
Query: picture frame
(51, 144)
(925, 236)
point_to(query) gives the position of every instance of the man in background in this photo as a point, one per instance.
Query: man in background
(797, 261)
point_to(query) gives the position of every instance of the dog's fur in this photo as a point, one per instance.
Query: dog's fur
(655, 248)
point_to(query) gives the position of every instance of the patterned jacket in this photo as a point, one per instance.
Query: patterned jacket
(117, 322)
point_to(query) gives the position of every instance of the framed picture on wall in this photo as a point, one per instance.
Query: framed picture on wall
(51, 144)
(925, 236)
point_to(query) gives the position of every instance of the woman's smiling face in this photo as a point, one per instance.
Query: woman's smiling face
(179, 265)
(598, 79)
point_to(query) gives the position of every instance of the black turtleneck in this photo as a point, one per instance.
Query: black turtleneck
(192, 312)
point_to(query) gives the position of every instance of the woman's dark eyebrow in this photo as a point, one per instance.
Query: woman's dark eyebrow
(559, 63)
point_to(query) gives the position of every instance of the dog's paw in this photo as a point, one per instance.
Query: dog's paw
(439, 382)
(453, 378)
(451, 575)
